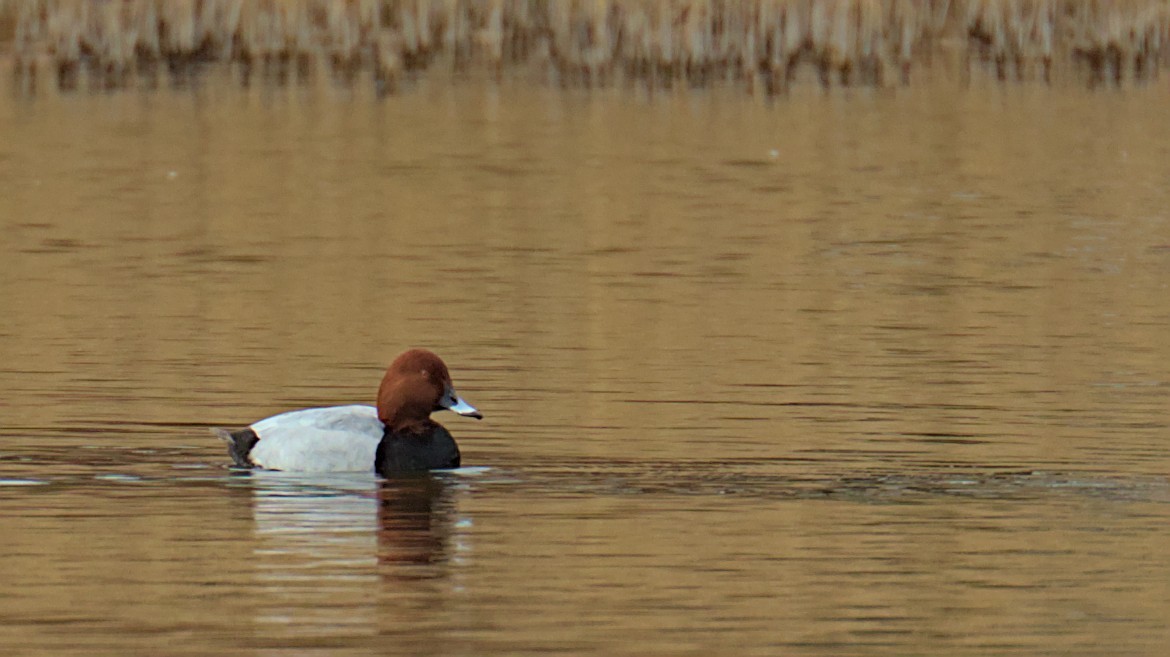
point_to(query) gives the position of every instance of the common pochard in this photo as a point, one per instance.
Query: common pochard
(396, 436)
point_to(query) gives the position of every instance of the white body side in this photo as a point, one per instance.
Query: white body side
(330, 439)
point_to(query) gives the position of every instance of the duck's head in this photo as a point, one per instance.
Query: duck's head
(417, 383)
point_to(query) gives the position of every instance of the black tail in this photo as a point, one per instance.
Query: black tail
(240, 443)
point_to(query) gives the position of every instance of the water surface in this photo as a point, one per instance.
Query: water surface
(865, 372)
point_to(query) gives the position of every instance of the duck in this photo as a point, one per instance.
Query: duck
(398, 435)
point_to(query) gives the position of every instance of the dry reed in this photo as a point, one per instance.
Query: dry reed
(762, 43)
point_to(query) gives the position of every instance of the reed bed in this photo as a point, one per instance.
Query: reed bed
(764, 44)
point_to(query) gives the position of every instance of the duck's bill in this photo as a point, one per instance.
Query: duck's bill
(455, 403)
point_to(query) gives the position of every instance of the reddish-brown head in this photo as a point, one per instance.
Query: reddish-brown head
(417, 383)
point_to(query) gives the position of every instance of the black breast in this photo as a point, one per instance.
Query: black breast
(411, 452)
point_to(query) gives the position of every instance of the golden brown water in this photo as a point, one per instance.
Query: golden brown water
(852, 373)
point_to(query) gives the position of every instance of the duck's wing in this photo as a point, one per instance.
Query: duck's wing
(332, 439)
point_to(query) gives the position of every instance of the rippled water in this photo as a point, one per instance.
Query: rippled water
(848, 373)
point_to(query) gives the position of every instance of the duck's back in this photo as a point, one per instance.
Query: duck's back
(331, 439)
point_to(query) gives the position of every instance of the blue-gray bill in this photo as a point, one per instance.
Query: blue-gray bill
(454, 402)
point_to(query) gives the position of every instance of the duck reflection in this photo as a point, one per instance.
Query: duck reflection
(416, 522)
(330, 525)
(325, 545)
